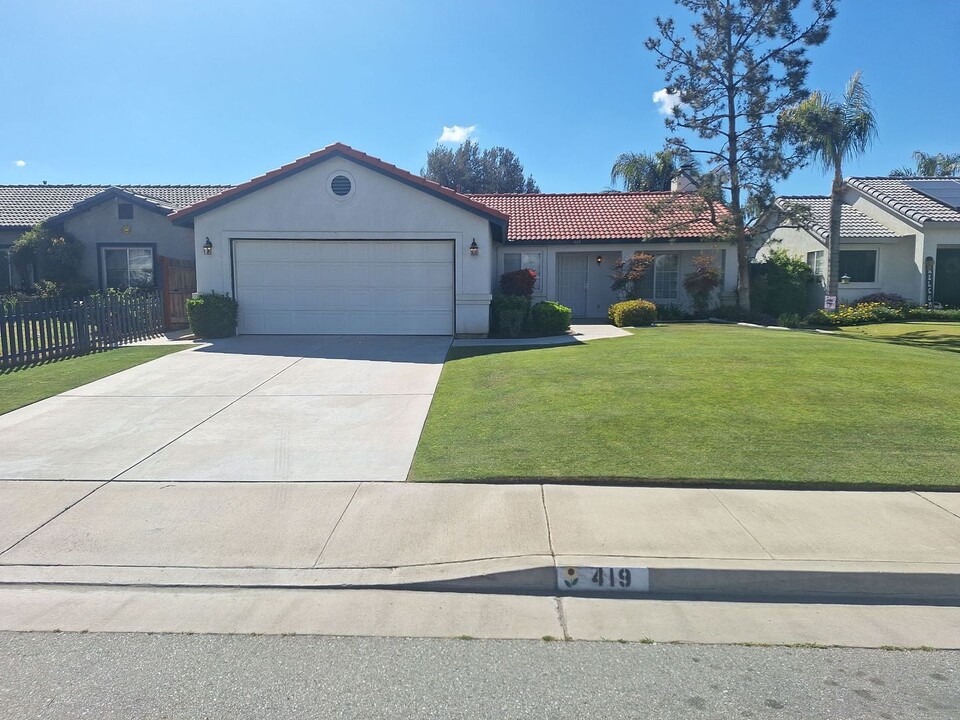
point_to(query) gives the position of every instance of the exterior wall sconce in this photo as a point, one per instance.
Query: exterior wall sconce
(474, 248)
(845, 279)
(599, 259)
(208, 247)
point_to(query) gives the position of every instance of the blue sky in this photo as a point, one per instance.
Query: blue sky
(209, 91)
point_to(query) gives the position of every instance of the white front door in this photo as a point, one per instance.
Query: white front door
(351, 287)
(572, 282)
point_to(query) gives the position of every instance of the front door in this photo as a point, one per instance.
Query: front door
(946, 282)
(572, 282)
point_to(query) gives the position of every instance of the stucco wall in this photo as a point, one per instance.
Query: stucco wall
(599, 295)
(379, 207)
(100, 225)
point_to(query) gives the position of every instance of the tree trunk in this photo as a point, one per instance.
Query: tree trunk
(836, 208)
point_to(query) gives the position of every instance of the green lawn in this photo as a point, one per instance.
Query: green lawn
(26, 385)
(699, 403)
(936, 336)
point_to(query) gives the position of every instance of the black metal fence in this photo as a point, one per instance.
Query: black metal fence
(40, 330)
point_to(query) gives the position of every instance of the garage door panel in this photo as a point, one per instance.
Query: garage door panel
(345, 287)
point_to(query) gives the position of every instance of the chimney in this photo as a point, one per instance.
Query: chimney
(681, 182)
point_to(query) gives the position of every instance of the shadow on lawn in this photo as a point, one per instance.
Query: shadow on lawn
(919, 338)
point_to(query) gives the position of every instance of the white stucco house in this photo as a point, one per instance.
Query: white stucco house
(897, 235)
(341, 242)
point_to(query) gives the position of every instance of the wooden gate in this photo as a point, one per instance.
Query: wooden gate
(179, 278)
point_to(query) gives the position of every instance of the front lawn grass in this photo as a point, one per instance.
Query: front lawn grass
(698, 404)
(28, 384)
(932, 335)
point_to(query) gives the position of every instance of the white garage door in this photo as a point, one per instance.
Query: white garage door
(356, 287)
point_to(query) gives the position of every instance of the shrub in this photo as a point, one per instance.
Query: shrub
(859, 314)
(893, 300)
(509, 314)
(672, 313)
(549, 318)
(51, 256)
(212, 315)
(921, 313)
(779, 285)
(627, 274)
(788, 320)
(632, 313)
(518, 283)
(703, 280)
(735, 313)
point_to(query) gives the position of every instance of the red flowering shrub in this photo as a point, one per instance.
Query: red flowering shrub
(518, 282)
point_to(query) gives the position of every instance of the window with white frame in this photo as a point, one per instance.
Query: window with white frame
(666, 276)
(513, 261)
(125, 267)
(859, 265)
(815, 261)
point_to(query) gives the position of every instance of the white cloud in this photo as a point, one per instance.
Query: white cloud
(666, 100)
(456, 133)
(20, 163)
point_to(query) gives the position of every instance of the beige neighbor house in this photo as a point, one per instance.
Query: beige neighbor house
(897, 235)
(341, 242)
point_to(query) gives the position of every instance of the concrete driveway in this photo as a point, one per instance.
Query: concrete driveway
(250, 408)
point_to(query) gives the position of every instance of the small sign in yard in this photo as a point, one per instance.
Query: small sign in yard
(603, 579)
(829, 302)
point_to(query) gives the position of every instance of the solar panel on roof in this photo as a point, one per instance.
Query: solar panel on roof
(943, 191)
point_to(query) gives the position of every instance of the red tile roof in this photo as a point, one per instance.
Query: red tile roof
(341, 150)
(609, 216)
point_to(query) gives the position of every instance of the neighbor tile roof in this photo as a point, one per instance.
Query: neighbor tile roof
(895, 193)
(335, 150)
(26, 205)
(853, 223)
(603, 216)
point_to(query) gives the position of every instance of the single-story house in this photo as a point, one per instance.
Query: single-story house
(341, 242)
(127, 238)
(897, 235)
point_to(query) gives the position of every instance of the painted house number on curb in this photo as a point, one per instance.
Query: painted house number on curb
(603, 579)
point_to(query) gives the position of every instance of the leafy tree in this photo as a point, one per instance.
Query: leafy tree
(470, 170)
(645, 171)
(745, 62)
(701, 281)
(930, 165)
(49, 256)
(833, 130)
(628, 274)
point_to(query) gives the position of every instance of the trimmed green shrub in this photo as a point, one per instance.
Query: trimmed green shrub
(921, 313)
(508, 314)
(779, 285)
(212, 315)
(788, 320)
(549, 318)
(632, 313)
(860, 314)
(673, 313)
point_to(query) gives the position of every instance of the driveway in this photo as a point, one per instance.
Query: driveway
(249, 408)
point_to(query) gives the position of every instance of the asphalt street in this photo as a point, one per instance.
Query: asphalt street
(74, 675)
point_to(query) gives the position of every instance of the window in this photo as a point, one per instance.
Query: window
(128, 267)
(513, 261)
(815, 261)
(6, 271)
(662, 279)
(860, 265)
(125, 211)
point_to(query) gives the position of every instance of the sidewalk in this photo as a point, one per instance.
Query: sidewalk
(896, 546)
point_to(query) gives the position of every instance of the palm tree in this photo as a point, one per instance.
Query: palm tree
(834, 130)
(643, 171)
(930, 165)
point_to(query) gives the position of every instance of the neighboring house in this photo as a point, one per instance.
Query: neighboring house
(897, 235)
(126, 235)
(342, 242)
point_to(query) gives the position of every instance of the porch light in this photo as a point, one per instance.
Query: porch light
(208, 247)
(599, 259)
(474, 248)
(845, 279)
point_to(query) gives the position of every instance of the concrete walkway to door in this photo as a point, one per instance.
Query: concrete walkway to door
(249, 408)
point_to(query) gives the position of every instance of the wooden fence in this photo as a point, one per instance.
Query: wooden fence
(41, 330)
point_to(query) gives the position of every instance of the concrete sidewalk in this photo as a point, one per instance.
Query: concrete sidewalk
(729, 543)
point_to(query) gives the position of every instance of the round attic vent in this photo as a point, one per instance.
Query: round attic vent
(341, 185)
